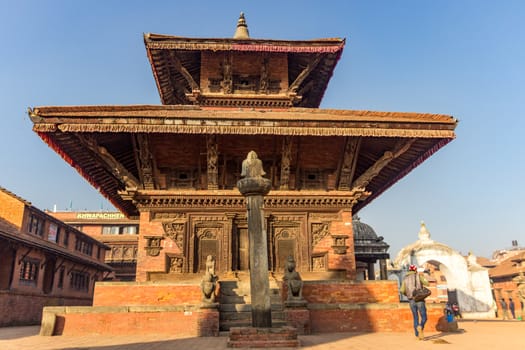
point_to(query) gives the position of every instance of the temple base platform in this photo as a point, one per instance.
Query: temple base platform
(121, 308)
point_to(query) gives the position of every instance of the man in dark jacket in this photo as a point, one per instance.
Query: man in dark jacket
(512, 308)
(412, 281)
(504, 309)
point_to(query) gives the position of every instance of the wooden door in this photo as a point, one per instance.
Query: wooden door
(244, 250)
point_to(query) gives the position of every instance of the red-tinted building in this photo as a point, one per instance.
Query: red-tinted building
(43, 262)
(115, 230)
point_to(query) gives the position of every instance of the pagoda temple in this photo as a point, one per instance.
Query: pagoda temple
(175, 166)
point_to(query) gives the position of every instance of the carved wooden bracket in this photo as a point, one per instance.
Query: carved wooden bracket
(286, 157)
(382, 162)
(183, 71)
(304, 74)
(175, 263)
(319, 231)
(111, 164)
(153, 245)
(175, 231)
(212, 160)
(339, 244)
(347, 171)
(144, 160)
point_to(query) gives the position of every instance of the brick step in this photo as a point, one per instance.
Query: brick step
(275, 337)
(234, 299)
(229, 316)
(246, 307)
(294, 343)
(227, 325)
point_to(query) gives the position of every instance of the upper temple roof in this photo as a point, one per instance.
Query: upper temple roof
(242, 72)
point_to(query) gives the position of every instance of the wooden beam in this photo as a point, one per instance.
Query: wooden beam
(400, 148)
(109, 162)
(304, 74)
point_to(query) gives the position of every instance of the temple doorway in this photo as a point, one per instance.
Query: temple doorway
(243, 262)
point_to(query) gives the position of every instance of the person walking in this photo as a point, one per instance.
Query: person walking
(511, 308)
(504, 309)
(412, 281)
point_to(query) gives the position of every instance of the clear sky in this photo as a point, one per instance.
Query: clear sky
(463, 58)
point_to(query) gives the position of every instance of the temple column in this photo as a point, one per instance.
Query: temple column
(253, 187)
(383, 273)
(371, 271)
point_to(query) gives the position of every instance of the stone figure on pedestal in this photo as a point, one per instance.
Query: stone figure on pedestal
(209, 281)
(294, 283)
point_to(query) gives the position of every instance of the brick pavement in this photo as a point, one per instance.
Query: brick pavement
(473, 335)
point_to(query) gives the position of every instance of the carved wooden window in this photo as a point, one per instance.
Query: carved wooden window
(29, 271)
(79, 281)
(313, 180)
(36, 225)
(183, 178)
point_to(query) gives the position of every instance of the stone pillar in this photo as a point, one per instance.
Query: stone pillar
(253, 187)
(371, 271)
(383, 271)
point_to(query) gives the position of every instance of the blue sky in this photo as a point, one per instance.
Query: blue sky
(463, 58)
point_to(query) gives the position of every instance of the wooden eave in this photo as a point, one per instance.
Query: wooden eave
(60, 128)
(196, 120)
(173, 87)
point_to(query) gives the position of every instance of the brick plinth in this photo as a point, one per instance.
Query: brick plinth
(330, 292)
(252, 337)
(298, 318)
(376, 317)
(22, 309)
(145, 293)
(183, 320)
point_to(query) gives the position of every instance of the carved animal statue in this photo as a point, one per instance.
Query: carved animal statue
(209, 280)
(293, 280)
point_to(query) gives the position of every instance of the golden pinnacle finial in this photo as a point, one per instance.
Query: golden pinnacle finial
(242, 28)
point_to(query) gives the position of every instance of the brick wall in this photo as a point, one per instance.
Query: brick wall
(329, 292)
(19, 308)
(147, 263)
(131, 293)
(506, 288)
(12, 209)
(370, 318)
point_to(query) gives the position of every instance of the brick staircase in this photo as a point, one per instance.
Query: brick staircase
(235, 303)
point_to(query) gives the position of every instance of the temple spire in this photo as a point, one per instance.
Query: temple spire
(242, 28)
(424, 235)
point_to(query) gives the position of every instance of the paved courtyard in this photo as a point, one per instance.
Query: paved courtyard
(472, 335)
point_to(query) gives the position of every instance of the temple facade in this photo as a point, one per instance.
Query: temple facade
(174, 167)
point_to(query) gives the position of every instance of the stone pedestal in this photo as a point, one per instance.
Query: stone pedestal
(298, 317)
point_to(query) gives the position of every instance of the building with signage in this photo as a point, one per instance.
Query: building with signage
(43, 262)
(115, 230)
